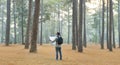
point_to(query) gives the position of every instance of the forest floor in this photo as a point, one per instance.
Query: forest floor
(92, 55)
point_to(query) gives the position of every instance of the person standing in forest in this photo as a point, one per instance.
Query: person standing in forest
(59, 41)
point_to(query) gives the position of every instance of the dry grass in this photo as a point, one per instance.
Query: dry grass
(17, 55)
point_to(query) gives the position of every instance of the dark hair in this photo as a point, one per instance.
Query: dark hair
(58, 33)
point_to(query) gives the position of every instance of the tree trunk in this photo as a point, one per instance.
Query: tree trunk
(107, 24)
(35, 27)
(76, 24)
(99, 22)
(74, 20)
(14, 8)
(2, 38)
(22, 24)
(119, 21)
(110, 25)
(8, 23)
(41, 22)
(102, 38)
(80, 47)
(84, 22)
(28, 26)
(68, 41)
(41, 26)
(114, 45)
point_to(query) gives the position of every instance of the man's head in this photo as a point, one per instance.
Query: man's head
(58, 33)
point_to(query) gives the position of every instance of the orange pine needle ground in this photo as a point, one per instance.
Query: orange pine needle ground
(93, 55)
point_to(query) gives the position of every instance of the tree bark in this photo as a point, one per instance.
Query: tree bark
(22, 24)
(102, 38)
(84, 22)
(114, 45)
(107, 24)
(2, 38)
(80, 46)
(28, 26)
(74, 20)
(119, 21)
(35, 27)
(8, 23)
(14, 8)
(110, 25)
(41, 22)
(68, 41)
(99, 22)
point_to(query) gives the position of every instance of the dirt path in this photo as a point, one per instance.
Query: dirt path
(17, 55)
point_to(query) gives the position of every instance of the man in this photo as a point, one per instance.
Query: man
(59, 42)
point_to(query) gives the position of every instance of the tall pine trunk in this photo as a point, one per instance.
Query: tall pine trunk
(114, 45)
(76, 24)
(22, 23)
(41, 26)
(99, 26)
(28, 26)
(107, 24)
(14, 10)
(35, 27)
(2, 38)
(80, 46)
(7, 40)
(110, 25)
(74, 20)
(84, 22)
(119, 21)
(102, 37)
(68, 41)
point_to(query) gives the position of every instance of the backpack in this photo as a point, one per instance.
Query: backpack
(60, 40)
